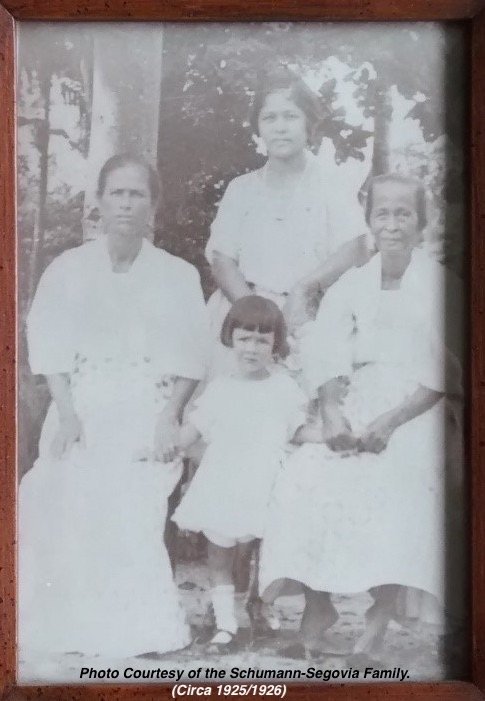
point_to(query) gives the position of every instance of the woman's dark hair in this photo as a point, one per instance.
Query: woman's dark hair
(402, 180)
(121, 160)
(283, 78)
(254, 313)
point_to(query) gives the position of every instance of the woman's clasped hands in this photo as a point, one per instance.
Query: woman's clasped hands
(340, 438)
(376, 436)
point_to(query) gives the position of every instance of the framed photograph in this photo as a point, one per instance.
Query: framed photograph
(242, 444)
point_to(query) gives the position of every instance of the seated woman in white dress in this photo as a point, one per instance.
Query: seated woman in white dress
(367, 510)
(110, 322)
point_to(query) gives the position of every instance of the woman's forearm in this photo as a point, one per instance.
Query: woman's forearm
(183, 389)
(60, 390)
(330, 397)
(168, 420)
(418, 403)
(351, 254)
(70, 429)
(336, 427)
(229, 278)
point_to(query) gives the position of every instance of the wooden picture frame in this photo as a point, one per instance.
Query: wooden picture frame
(471, 12)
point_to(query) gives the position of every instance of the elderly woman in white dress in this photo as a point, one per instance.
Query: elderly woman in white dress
(367, 511)
(116, 326)
(271, 233)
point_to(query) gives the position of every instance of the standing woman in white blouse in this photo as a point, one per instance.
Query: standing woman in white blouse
(271, 231)
(111, 322)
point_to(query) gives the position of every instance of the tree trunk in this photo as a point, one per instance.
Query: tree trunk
(382, 120)
(125, 108)
(381, 150)
(42, 138)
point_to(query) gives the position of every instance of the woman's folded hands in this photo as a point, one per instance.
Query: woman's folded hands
(339, 437)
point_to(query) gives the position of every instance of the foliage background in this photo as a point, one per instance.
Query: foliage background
(392, 97)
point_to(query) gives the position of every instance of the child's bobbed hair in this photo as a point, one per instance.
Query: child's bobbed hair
(255, 313)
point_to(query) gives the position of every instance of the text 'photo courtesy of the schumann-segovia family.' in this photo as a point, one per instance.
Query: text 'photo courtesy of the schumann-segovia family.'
(241, 353)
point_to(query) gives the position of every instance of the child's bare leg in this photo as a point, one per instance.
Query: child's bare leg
(377, 620)
(221, 560)
(319, 615)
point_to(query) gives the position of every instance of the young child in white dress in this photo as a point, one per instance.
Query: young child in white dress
(246, 419)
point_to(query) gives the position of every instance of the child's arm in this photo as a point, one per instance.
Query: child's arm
(309, 433)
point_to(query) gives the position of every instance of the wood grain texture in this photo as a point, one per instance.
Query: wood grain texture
(477, 263)
(8, 480)
(237, 10)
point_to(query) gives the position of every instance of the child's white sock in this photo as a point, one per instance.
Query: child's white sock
(223, 603)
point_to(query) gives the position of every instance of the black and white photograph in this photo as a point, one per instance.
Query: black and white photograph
(241, 333)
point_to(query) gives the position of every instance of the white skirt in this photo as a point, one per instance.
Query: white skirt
(94, 574)
(349, 524)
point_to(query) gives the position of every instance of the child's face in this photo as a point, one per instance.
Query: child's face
(254, 351)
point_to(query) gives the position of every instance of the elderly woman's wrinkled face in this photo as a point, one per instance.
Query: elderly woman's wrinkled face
(393, 218)
(282, 125)
(126, 205)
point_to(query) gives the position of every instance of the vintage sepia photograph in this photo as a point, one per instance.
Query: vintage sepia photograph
(241, 333)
